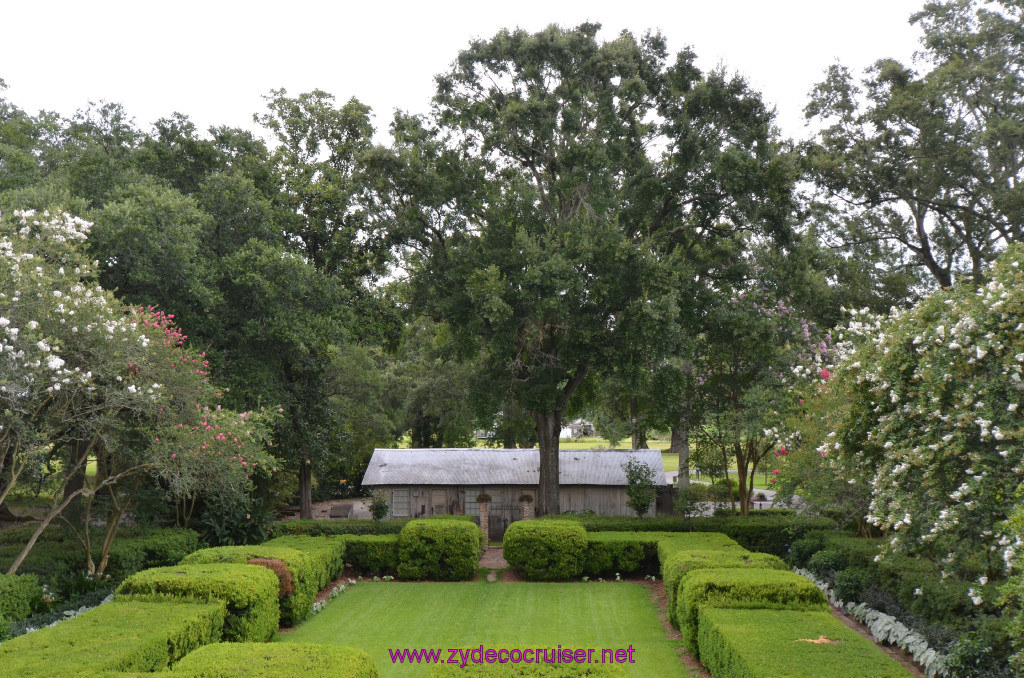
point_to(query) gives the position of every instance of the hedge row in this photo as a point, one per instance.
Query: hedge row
(771, 531)
(250, 593)
(745, 588)
(324, 528)
(496, 668)
(119, 636)
(444, 550)
(738, 643)
(312, 563)
(546, 550)
(681, 563)
(128, 554)
(372, 553)
(274, 660)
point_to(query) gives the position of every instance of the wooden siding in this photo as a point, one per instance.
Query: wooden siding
(426, 500)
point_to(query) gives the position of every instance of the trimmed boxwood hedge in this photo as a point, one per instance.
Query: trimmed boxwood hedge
(677, 566)
(249, 591)
(546, 550)
(445, 550)
(118, 636)
(326, 554)
(319, 528)
(372, 553)
(774, 644)
(273, 660)
(54, 554)
(770, 531)
(742, 587)
(306, 574)
(528, 670)
(20, 597)
(610, 553)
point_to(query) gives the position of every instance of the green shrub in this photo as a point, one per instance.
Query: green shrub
(774, 644)
(119, 636)
(767, 531)
(327, 554)
(272, 660)
(860, 552)
(984, 651)
(546, 550)
(827, 561)
(445, 550)
(249, 591)
(477, 666)
(802, 549)
(677, 566)
(741, 587)
(469, 519)
(20, 596)
(167, 546)
(20, 535)
(47, 559)
(669, 543)
(372, 553)
(621, 553)
(305, 574)
(57, 560)
(319, 528)
(849, 583)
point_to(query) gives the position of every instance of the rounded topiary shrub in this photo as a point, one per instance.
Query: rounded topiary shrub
(546, 550)
(445, 550)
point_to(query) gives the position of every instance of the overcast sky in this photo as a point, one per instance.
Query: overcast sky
(213, 60)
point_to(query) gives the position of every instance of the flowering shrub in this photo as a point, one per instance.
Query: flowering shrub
(82, 377)
(933, 418)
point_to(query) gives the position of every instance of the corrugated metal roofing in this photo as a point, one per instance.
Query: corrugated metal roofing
(451, 466)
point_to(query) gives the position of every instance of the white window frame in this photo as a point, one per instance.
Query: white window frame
(395, 495)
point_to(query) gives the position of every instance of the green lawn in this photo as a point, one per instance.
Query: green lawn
(376, 617)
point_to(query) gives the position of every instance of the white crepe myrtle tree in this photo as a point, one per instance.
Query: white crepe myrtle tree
(83, 378)
(934, 420)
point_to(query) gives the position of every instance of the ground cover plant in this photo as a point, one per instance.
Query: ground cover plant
(378, 617)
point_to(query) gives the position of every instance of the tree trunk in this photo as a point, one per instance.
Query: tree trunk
(741, 483)
(305, 491)
(549, 425)
(680, 446)
(80, 460)
(639, 433)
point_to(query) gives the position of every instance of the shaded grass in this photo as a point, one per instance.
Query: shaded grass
(378, 617)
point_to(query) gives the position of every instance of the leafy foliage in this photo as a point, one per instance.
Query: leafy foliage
(546, 550)
(266, 660)
(444, 550)
(640, 487)
(136, 636)
(249, 592)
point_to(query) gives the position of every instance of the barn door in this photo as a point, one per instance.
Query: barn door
(438, 502)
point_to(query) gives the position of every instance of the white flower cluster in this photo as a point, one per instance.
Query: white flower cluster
(941, 384)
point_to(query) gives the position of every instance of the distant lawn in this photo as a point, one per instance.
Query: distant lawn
(397, 615)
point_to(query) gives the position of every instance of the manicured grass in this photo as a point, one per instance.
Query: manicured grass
(396, 615)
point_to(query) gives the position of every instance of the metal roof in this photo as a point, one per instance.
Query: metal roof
(460, 466)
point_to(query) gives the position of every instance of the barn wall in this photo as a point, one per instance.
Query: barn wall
(426, 500)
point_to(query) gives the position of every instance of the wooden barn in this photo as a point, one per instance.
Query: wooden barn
(427, 482)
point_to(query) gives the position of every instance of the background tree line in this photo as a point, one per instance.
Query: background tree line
(578, 226)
